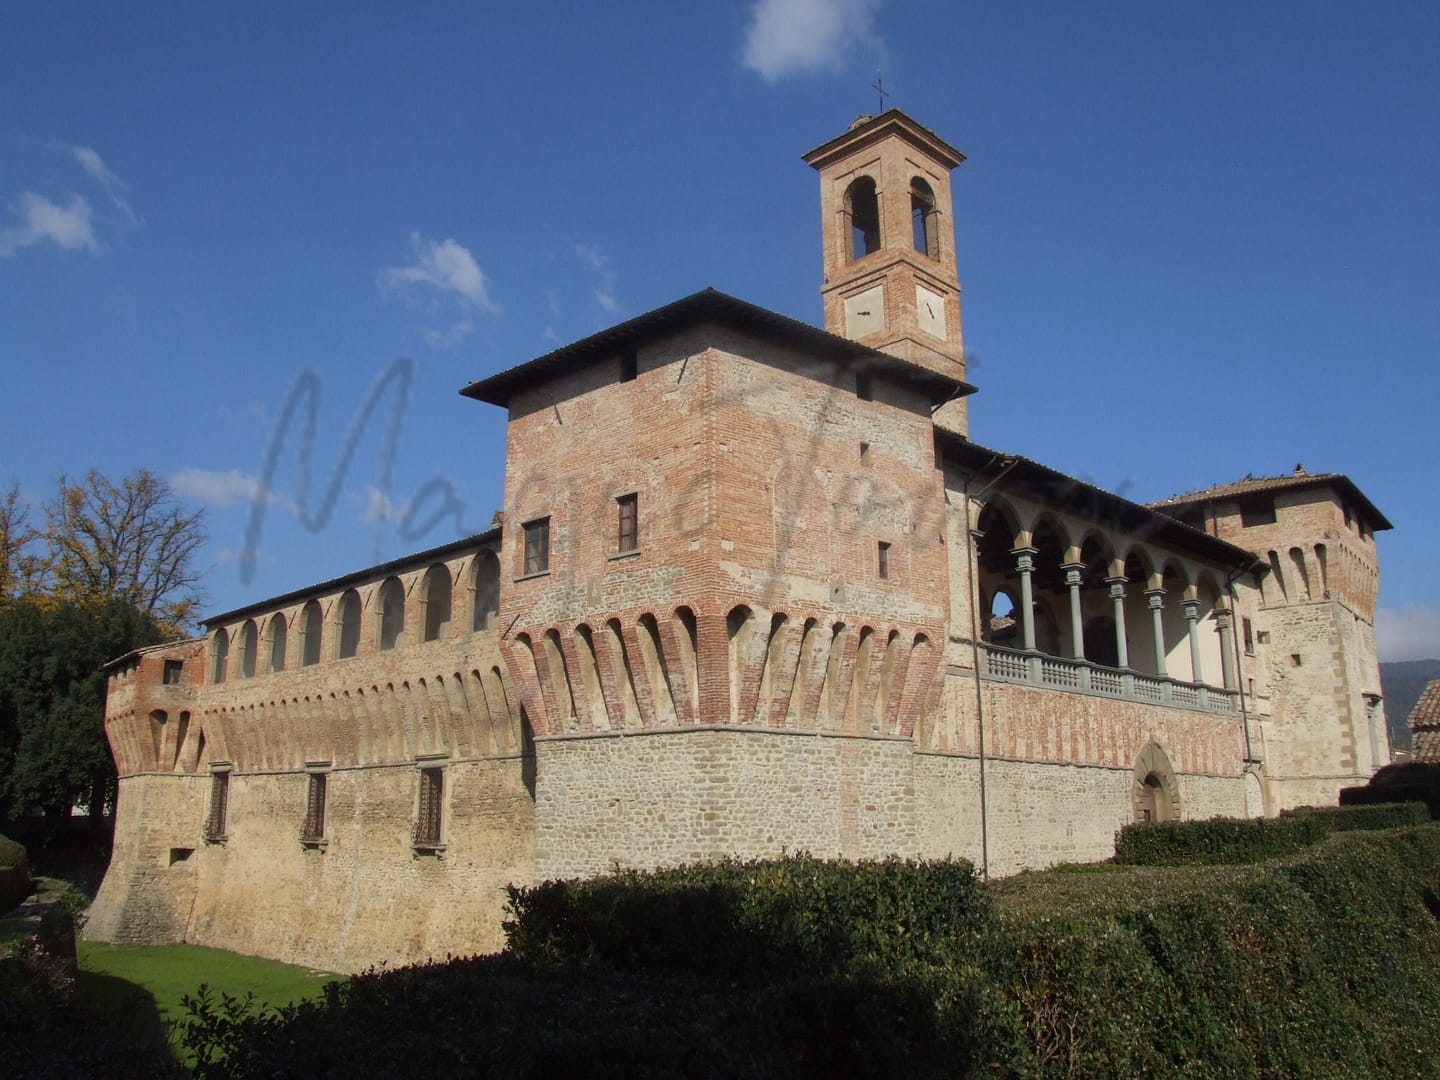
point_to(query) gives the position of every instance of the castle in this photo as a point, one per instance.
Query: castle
(753, 590)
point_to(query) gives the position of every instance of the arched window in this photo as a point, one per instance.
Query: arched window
(392, 613)
(277, 642)
(349, 624)
(923, 218)
(436, 598)
(222, 655)
(862, 207)
(247, 649)
(311, 630)
(487, 591)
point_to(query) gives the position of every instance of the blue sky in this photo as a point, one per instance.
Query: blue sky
(1196, 241)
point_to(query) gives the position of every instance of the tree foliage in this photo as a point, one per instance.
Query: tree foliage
(53, 752)
(130, 540)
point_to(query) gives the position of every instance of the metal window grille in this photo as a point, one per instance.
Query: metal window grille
(427, 822)
(537, 546)
(314, 826)
(219, 804)
(629, 506)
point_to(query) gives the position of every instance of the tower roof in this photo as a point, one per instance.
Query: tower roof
(1257, 485)
(870, 129)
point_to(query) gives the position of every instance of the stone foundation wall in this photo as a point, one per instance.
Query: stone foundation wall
(671, 797)
(366, 896)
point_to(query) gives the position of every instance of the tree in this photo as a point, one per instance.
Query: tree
(21, 569)
(132, 541)
(53, 752)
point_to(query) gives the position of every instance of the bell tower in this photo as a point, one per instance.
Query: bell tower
(890, 274)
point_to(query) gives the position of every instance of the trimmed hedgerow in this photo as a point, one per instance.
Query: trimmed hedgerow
(1228, 841)
(1325, 963)
(1410, 781)
(749, 920)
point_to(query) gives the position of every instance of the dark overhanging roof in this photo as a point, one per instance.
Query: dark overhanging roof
(1028, 477)
(355, 576)
(711, 306)
(871, 128)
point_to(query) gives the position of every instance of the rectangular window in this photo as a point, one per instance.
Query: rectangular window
(313, 829)
(219, 807)
(427, 818)
(883, 561)
(1258, 513)
(629, 535)
(537, 546)
(172, 672)
(1248, 629)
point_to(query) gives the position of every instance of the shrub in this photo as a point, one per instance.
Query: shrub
(1410, 781)
(1229, 841)
(14, 874)
(749, 920)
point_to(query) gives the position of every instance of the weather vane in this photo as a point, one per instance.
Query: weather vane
(879, 87)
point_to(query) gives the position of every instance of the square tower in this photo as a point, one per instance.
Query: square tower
(889, 245)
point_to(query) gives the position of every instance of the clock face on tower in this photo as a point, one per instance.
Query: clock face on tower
(930, 311)
(865, 312)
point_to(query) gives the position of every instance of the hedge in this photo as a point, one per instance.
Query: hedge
(14, 874)
(749, 920)
(1410, 781)
(1324, 963)
(1227, 841)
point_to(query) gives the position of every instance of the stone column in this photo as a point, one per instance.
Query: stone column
(1117, 597)
(1025, 564)
(1227, 648)
(1077, 628)
(1156, 599)
(1192, 631)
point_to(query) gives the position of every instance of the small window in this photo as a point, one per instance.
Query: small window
(629, 366)
(1257, 513)
(883, 561)
(1248, 630)
(312, 831)
(311, 622)
(173, 668)
(864, 387)
(278, 640)
(1295, 660)
(1263, 637)
(537, 546)
(215, 821)
(628, 507)
(428, 814)
(864, 453)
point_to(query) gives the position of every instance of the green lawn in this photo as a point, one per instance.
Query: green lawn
(139, 987)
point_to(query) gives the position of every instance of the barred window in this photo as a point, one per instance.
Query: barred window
(537, 546)
(882, 562)
(629, 538)
(427, 820)
(313, 829)
(173, 668)
(219, 805)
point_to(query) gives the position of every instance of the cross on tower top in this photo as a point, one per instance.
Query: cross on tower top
(879, 87)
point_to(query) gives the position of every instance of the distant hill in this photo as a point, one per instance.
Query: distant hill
(1401, 682)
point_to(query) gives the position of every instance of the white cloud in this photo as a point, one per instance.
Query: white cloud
(443, 275)
(380, 508)
(598, 263)
(96, 168)
(803, 37)
(1407, 633)
(444, 268)
(218, 489)
(68, 227)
